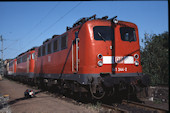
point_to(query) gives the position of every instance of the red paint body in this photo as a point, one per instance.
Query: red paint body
(89, 48)
(93, 56)
(27, 66)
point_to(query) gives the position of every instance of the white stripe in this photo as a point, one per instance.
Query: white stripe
(128, 60)
(118, 59)
(108, 59)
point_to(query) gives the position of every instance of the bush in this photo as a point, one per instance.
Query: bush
(154, 57)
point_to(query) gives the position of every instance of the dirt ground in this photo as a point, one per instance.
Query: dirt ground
(42, 103)
(45, 102)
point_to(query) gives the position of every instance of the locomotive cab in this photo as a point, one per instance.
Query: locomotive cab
(111, 56)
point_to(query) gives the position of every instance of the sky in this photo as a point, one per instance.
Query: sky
(24, 25)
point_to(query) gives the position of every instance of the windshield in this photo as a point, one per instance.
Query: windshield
(103, 33)
(128, 34)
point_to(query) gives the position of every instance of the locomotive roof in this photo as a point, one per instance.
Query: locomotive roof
(55, 36)
(85, 19)
(79, 22)
(50, 38)
(33, 48)
(46, 40)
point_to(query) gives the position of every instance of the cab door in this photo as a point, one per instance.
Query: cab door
(75, 52)
(127, 49)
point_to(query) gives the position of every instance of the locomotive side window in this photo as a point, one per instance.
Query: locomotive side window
(33, 55)
(19, 60)
(49, 48)
(103, 33)
(39, 52)
(55, 45)
(43, 50)
(128, 34)
(24, 58)
(64, 42)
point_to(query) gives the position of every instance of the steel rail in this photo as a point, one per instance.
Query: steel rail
(115, 109)
(144, 106)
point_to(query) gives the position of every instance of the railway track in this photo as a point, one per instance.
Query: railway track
(124, 107)
(132, 107)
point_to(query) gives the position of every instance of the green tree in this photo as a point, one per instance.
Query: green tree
(154, 57)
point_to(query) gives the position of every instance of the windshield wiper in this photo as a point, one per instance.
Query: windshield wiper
(101, 36)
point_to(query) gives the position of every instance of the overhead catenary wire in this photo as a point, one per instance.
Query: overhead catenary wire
(13, 42)
(10, 45)
(29, 32)
(61, 17)
(52, 9)
(9, 40)
(49, 27)
(34, 40)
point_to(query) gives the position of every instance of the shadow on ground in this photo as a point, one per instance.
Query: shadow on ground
(23, 98)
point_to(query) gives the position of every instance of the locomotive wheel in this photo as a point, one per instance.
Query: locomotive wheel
(99, 93)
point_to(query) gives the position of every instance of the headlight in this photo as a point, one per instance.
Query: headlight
(136, 63)
(100, 63)
(115, 20)
(100, 56)
(136, 56)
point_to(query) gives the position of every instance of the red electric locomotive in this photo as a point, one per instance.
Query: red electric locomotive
(25, 65)
(96, 54)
